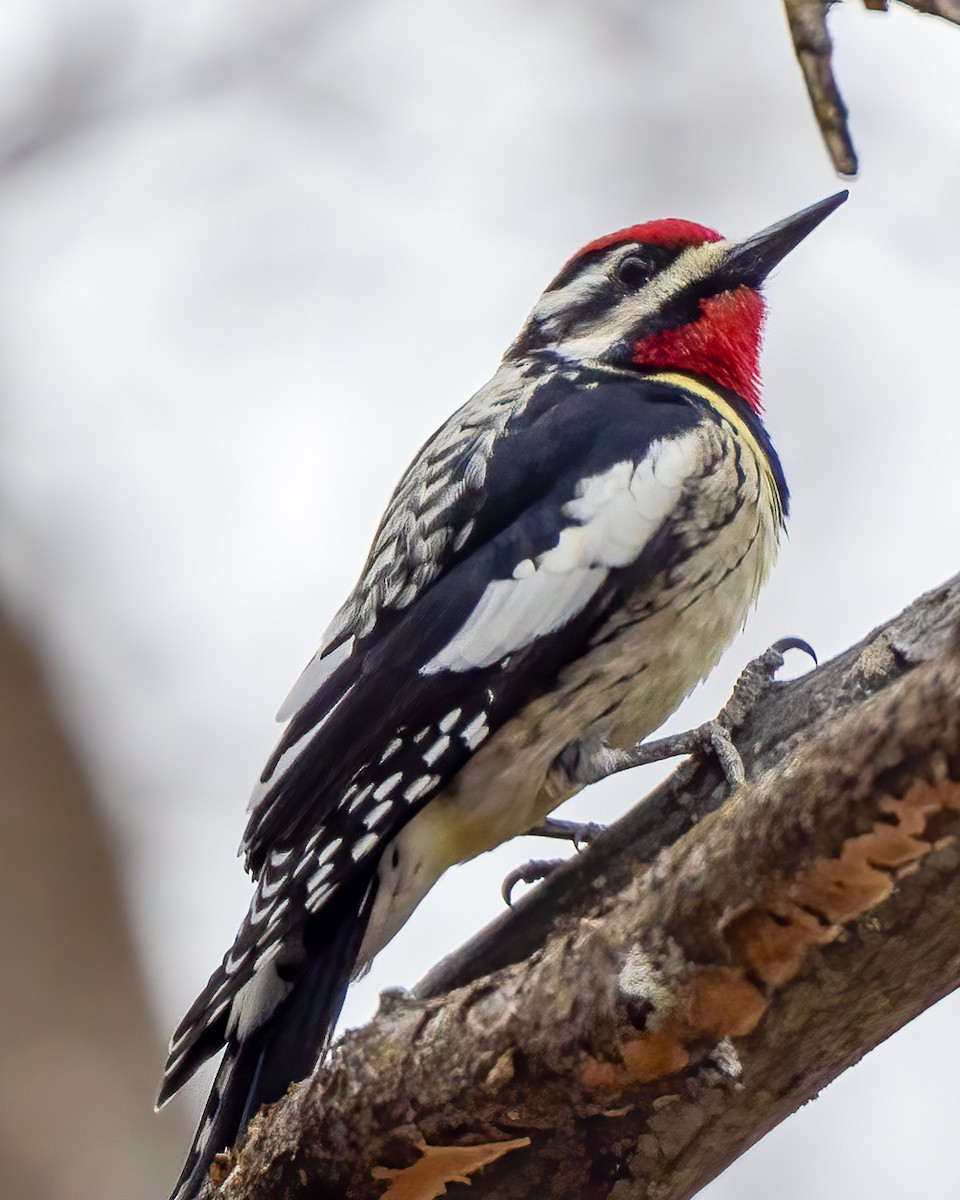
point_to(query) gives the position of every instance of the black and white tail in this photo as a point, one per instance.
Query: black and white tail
(276, 1028)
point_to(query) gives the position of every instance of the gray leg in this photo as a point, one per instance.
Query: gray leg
(589, 765)
(539, 868)
(567, 831)
(713, 736)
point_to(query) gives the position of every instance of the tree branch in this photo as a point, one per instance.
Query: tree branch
(814, 50)
(682, 986)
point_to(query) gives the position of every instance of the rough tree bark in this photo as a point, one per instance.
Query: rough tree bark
(643, 1017)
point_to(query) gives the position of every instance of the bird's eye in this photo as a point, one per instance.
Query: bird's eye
(634, 271)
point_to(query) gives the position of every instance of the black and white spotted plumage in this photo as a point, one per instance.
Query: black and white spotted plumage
(497, 630)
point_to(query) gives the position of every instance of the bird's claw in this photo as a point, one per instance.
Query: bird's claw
(530, 872)
(581, 833)
(755, 678)
(795, 643)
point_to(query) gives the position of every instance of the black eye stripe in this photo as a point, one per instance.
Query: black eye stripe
(572, 270)
(685, 306)
(649, 260)
(635, 270)
(656, 258)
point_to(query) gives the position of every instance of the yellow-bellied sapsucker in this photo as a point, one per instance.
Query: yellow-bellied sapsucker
(562, 562)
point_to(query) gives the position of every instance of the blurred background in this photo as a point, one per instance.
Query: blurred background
(252, 252)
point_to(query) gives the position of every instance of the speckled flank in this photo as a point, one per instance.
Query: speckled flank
(643, 661)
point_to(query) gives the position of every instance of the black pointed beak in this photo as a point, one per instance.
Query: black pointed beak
(751, 261)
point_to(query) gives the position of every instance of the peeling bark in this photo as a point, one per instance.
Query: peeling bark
(704, 968)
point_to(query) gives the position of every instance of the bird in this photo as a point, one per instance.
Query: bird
(562, 562)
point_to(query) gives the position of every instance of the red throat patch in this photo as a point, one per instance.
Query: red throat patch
(723, 344)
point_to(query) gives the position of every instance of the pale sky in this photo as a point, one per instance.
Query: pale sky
(270, 247)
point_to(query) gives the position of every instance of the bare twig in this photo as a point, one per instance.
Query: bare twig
(814, 50)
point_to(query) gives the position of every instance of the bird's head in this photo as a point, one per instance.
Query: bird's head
(668, 295)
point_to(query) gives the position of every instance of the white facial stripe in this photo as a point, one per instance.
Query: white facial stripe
(592, 341)
(591, 280)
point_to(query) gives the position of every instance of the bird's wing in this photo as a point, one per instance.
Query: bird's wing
(482, 488)
(429, 523)
(402, 713)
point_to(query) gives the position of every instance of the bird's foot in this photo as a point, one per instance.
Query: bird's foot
(541, 868)
(755, 680)
(531, 872)
(713, 736)
(580, 833)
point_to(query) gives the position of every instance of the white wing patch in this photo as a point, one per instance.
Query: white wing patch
(511, 613)
(615, 515)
